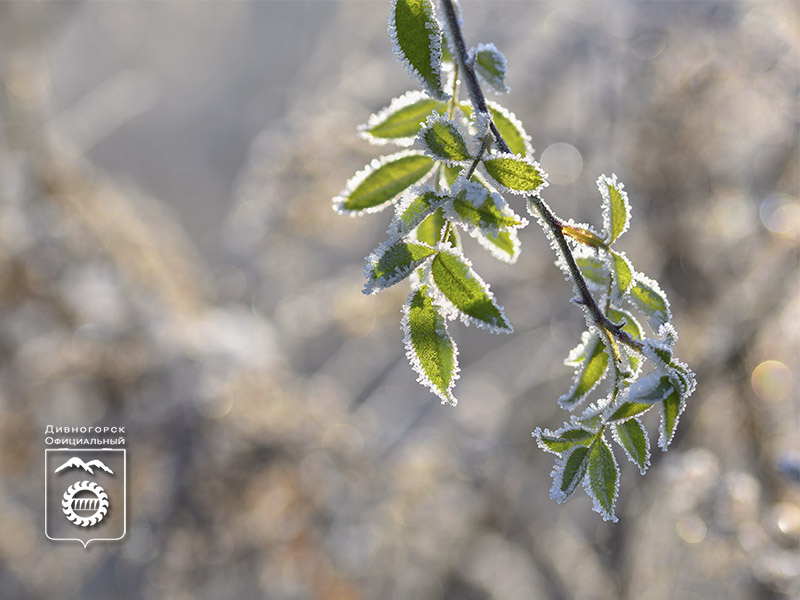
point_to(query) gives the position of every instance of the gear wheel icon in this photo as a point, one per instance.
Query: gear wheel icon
(96, 503)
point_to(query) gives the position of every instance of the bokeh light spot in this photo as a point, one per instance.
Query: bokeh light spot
(772, 381)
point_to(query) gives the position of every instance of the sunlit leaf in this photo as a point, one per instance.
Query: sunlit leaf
(602, 482)
(629, 409)
(393, 262)
(616, 208)
(622, 270)
(515, 174)
(416, 205)
(569, 472)
(593, 268)
(590, 370)
(417, 38)
(373, 188)
(563, 439)
(429, 348)
(402, 119)
(490, 65)
(671, 409)
(646, 295)
(465, 293)
(518, 141)
(443, 140)
(632, 436)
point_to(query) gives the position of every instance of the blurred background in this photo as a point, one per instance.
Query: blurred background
(169, 262)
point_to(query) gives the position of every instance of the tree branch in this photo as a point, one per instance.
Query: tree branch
(553, 223)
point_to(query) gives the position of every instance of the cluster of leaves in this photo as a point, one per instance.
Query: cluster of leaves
(459, 160)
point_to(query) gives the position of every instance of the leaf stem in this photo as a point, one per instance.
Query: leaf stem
(553, 223)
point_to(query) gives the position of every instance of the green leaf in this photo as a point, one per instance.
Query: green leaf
(518, 141)
(430, 229)
(414, 208)
(594, 269)
(603, 479)
(651, 389)
(628, 410)
(616, 208)
(633, 439)
(401, 120)
(393, 262)
(490, 65)
(465, 292)
(417, 38)
(569, 472)
(591, 369)
(373, 188)
(671, 409)
(563, 439)
(632, 327)
(646, 295)
(476, 206)
(504, 245)
(443, 140)
(429, 348)
(622, 270)
(515, 174)
(486, 216)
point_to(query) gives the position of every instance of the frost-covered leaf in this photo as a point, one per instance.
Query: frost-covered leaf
(671, 409)
(416, 205)
(593, 268)
(631, 327)
(443, 140)
(485, 215)
(504, 245)
(569, 472)
(417, 38)
(430, 229)
(626, 410)
(491, 66)
(474, 205)
(563, 439)
(514, 173)
(602, 482)
(393, 262)
(591, 359)
(401, 120)
(373, 188)
(429, 348)
(464, 293)
(646, 295)
(683, 376)
(518, 141)
(616, 208)
(651, 389)
(632, 436)
(622, 270)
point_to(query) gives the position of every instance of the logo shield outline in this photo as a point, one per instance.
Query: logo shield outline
(64, 531)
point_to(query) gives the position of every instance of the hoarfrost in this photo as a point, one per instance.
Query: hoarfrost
(397, 104)
(435, 38)
(447, 396)
(357, 179)
(450, 310)
(603, 183)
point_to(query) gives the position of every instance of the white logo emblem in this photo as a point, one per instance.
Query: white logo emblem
(85, 494)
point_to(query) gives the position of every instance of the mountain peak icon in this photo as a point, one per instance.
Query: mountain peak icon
(76, 462)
